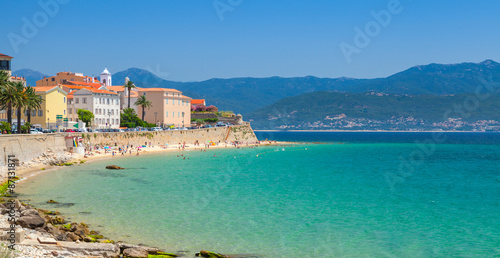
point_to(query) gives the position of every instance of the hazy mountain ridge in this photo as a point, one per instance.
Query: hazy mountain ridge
(31, 76)
(336, 110)
(244, 95)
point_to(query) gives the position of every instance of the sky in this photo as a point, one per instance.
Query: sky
(195, 40)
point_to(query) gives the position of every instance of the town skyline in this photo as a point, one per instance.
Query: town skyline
(196, 41)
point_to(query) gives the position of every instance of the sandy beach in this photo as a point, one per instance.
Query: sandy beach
(34, 249)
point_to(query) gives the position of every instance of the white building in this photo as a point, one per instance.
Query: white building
(104, 104)
(106, 79)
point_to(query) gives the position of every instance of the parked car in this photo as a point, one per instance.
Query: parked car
(33, 131)
(70, 131)
(156, 129)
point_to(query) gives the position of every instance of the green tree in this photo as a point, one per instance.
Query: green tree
(19, 99)
(6, 93)
(5, 127)
(86, 116)
(129, 86)
(128, 118)
(144, 103)
(33, 101)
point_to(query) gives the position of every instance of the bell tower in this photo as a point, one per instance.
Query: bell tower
(106, 78)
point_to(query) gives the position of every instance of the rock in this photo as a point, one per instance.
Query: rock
(31, 222)
(72, 236)
(114, 167)
(88, 239)
(208, 254)
(135, 252)
(150, 250)
(62, 237)
(79, 230)
(30, 212)
(52, 230)
(51, 201)
(47, 240)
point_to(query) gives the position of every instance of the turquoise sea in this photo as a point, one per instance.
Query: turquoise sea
(353, 195)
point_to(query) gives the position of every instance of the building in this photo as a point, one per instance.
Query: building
(120, 90)
(52, 114)
(65, 78)
(106, 79)
(196, 102)
(5, 65)
(104, 104)
(169, 107)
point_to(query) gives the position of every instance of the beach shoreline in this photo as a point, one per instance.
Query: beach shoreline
(30, 173)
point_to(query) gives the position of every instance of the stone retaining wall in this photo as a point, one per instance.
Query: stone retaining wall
(29, 146)
(242, 133)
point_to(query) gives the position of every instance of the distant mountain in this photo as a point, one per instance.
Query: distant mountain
(30, 75)
(244, 95)
(336, 110)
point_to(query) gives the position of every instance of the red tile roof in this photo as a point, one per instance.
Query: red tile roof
(198, 102)
(158, 89)
(43, 88)
(3, 55)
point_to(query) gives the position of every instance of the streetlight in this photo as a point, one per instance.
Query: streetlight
(182, 119)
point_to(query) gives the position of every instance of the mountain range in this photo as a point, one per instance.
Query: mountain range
(246, 95)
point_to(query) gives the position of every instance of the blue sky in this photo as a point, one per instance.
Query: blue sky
(192, 40)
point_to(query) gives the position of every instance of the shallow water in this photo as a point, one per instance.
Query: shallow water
(307, 200)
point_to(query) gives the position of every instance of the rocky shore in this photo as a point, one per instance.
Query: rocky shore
(45, 233)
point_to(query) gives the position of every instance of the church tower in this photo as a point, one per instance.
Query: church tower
(106, 77)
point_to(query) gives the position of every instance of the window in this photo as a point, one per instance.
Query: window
(40, 112)
(84, 100)
(108, 101)
(33, 112)
(112, 112)
(100, 101)
(179, 101)
(64, 100)
(64, 112)
(96, 110)
(167, 101)
(178, 114)
(77, 100)
(70, 111)
(173, 114)
(144, 93)
(167, 113)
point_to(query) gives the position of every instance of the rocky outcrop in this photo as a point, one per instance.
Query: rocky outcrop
(31, 221)
(114, 167)
(208, 254)
(135, 252)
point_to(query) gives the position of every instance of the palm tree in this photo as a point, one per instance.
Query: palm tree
(33, 101)
(144, 103)
(129, 85)
(19, 101)
(7, 91)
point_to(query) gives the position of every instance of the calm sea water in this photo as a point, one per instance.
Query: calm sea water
(358, 195)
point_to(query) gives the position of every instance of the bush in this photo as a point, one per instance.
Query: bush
(212, 108)
(200, 108)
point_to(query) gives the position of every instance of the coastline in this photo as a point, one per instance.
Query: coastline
(372, 131)
(27, 174)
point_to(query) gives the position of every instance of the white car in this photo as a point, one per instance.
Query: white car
(33, 131)
(156, 129)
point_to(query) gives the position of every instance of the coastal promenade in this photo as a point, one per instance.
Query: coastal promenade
(39, 149)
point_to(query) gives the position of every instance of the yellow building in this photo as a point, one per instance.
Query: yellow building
(169, 107)
(54, 104)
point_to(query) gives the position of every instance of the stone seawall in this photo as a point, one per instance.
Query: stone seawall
(241, 133)
(29, 146)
